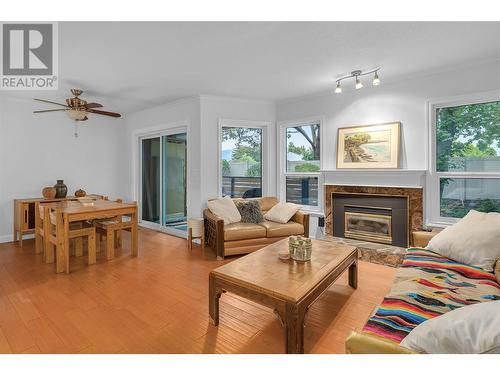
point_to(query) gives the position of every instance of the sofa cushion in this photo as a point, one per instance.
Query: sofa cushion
(473, 240)
(266, 203)
(225, 209)
(473, 329)
(428, 285)
(243, 231)
(250, 211)
(282, 212)
(282, 230)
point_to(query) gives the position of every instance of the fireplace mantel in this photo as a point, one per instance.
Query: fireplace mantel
(407, 178)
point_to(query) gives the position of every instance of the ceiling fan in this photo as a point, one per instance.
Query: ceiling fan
(77, 108)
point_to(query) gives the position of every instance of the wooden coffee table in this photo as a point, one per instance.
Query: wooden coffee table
(288, 287)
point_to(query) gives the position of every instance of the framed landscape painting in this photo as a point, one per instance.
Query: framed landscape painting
(370, 146)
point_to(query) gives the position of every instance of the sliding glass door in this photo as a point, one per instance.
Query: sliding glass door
(164, 181)
(151, 187)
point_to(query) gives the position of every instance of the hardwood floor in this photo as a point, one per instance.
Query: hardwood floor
(158, 303)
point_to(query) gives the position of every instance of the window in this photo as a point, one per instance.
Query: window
(301, 155)
(241, 162)
(466, 170)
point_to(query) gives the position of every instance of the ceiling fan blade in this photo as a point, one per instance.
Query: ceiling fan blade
(105, 113)
(93, 105)
(50, 110)
(48, 101)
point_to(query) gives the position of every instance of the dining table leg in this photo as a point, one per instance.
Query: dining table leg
(66, 245)
(133, 233)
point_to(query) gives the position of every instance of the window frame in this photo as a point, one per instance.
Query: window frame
(434, 217)
(282, 160)
(264, 126)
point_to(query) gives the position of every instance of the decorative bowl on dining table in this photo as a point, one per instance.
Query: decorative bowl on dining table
(85, 201)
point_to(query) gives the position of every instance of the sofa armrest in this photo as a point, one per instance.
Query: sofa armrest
(302, 218)
(214, 232)
(365, 343)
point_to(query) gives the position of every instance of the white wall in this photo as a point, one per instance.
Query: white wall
(35, 150)
(214, 108)
(403, 101)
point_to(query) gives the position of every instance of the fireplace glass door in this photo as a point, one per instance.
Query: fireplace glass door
(369, 227)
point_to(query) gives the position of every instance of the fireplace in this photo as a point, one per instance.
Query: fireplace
(371, 217)
(379, 214)
(366, 226)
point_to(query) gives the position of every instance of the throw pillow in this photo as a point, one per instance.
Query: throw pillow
(472, 329)
(497, 271)
(282, 212)
(250, 211)
(225, 209)
(474, 240)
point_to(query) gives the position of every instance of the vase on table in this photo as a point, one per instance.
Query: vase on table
(80, 193)
(61, 189)
(49, 192)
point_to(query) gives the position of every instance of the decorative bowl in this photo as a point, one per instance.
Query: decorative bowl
(49, 192)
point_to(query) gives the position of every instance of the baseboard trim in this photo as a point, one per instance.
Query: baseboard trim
(6, 238)
(10, 238)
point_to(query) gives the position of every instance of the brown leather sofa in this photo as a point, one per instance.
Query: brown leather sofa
(244, 238)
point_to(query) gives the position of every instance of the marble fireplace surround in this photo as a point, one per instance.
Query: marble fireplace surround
(414, 194)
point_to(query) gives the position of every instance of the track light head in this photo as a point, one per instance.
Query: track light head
(359, 85)
(338, 89)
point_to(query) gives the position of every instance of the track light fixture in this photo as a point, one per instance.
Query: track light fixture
(356, 74)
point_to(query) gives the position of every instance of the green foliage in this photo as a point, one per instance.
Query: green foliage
(306, 153)
(471, 150)
(488, 205)
(247, 153)
(243, 136)
(226, 168)
(312, 137)
(254, 171)
(467, 131)
(307, 167)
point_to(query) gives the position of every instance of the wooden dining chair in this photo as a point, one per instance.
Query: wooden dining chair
(42, 233)
(54, 219)
(110, 230)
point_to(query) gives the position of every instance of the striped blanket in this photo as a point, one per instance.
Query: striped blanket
(429, 285)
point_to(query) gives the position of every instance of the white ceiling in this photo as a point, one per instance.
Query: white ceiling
(129, 66)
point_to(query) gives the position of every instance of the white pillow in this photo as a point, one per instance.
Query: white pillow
(472, 329)
(225, 209)
(474, 240)
(281, 212)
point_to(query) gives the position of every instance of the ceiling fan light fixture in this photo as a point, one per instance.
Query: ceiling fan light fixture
(376, 79)
(76, 114)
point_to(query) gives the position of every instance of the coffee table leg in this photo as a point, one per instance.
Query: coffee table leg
(353, 275)
(213, 300)
(294, 329)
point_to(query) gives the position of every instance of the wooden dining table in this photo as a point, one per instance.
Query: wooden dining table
(74, 211)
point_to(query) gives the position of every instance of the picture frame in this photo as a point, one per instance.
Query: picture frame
(369, 146)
